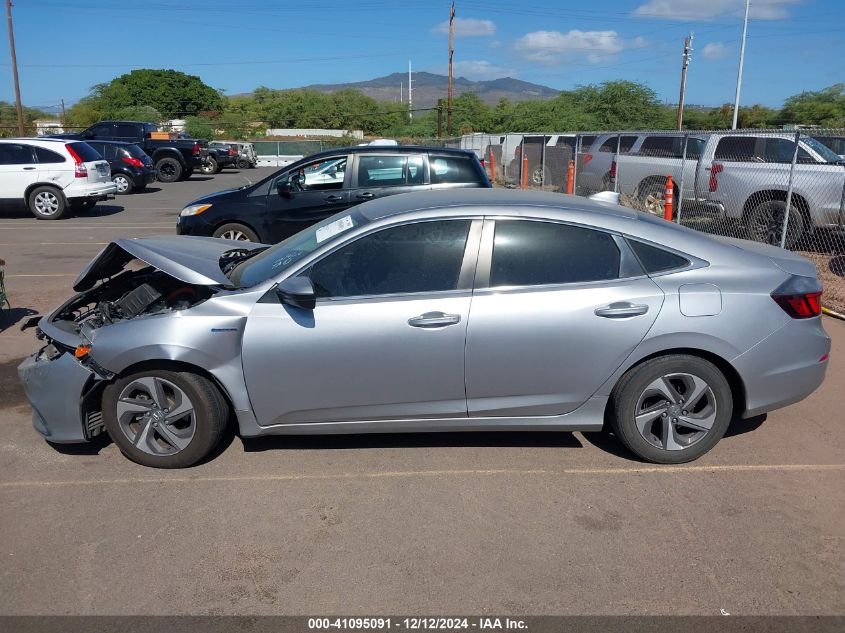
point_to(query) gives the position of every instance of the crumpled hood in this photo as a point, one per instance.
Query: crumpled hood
(194, 260)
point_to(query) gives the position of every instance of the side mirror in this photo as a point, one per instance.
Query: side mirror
(297, 292)
(283, 187)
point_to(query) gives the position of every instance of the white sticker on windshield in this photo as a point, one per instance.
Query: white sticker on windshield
(334, 228)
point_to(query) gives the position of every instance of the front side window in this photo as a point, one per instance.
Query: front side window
(16, 154)
(321, 175)
(661, 146)
(125, 131)
(527, 253)
(452, 169)
(101, 131)
(412, 258)
(625, 143)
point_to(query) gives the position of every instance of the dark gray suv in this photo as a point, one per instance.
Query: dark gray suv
(320, 185)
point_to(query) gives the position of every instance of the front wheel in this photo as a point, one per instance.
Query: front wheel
(671, 409)
(46, 203)
(765, 223)
(168, 170)
(237, 232)
(164, 419)
(652, 198)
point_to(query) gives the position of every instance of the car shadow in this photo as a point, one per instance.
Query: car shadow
(13, 316)
(92, 447)
(145, 190)
(483, 439)
(740, 426)
(199, 178)
(100, 211)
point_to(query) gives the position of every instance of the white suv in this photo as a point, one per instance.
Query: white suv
(51, 176)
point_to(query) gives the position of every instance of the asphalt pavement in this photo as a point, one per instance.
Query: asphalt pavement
(438, 524)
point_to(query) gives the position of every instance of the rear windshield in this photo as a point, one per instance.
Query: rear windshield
(135, 151)
(85, 152)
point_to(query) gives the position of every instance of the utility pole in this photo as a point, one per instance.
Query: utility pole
(401, 94)
(687, 50)
(410, 94)
(741, 60)
(449, 87)
(64, 116)
(439, 118)
(18, 105)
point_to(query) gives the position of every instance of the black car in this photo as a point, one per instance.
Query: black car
(131, 168)
(321, 185)
(220, 155)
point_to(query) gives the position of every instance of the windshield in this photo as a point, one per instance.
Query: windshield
(827, 154)
(285, 254)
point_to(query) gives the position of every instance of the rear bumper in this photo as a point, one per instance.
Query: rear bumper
(785, 367)
(97, 191)
(54, 389)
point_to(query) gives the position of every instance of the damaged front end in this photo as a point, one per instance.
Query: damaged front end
(129, 279)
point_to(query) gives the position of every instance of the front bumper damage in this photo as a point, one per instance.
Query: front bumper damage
(58, 389)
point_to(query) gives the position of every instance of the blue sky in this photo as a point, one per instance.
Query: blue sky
(66, 46)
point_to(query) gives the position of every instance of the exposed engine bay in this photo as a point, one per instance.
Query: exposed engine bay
(128, 295)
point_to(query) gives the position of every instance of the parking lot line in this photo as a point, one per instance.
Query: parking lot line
(735, 468)
(44, 275)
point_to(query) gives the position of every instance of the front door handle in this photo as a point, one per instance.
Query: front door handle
(621, 310)
(28, 168)
(367, 195)
(333, 198)
(434, 319)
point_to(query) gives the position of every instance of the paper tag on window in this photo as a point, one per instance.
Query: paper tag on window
(333, 228)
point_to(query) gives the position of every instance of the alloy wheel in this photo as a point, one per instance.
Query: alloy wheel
(156, 416)
(654, 203)
(46, 203)
(234, 234)
(675, 411)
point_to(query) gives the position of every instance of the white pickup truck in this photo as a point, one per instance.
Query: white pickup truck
(742, 176)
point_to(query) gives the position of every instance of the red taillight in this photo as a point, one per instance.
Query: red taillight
(483, 162)
(613, 169)
(587, 158)
(232, 152)
(132, 161)
(80, 171)
(799, 297)
(715, 170)
(196, 150)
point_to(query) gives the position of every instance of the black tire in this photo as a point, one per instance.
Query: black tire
(208, 421)
(124, 183)
(764, 223)
(47, 203)
(687, 444)
(187, 173)
(243, 163)
(168, 169)
(210, 166)
(652, 197)
(238, 232)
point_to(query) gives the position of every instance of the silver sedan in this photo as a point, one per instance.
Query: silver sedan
(439, 311)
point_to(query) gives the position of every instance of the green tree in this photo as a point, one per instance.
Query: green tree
(824, 107)
(197, 127)
(170, 92)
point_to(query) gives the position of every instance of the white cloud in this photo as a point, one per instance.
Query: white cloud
(714, 50)
(481, 70)
(708, 9)
(468, 27)
(550, 47)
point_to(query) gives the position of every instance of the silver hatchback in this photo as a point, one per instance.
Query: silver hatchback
(438, 311)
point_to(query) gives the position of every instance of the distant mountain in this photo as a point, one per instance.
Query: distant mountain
(428, 87)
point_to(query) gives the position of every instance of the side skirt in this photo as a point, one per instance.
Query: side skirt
(588, 417)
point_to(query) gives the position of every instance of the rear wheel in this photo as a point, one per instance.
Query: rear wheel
(235, 231)
(168, 169)
(541, 175)
(652, 198)
(243, 163)
(164, 419)
(765, 223)
(187, 173)
(209, 166)
(671, 409)
(124, 184)
(46, 203)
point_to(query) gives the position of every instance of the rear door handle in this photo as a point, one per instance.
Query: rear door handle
(621, 310)
(434, 319)
(333, 198)
(28, 168)
(366, 195)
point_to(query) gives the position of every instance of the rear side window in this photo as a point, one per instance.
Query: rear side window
(587, 141)
(389, 171)
(135, 151)
(662, 146)
(102, 131)
(527, 253)
(85, 152)
(656, 260)
(625, 144)
(15, 154)
(452, 169)
(125, 131)
(48, 156)
(736, 148)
